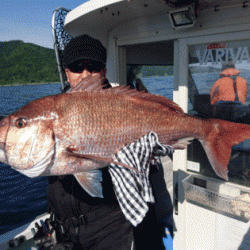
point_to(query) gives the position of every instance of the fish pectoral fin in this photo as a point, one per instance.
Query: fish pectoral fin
(91, 182)
(182, 143)
(99, 158)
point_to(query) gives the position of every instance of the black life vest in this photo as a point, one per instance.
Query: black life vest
(66, 198)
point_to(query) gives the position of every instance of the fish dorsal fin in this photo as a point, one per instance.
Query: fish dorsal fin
(163, 101)
(95, 83)
(124, 90)
(89, 83)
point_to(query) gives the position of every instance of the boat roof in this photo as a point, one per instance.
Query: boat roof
(97, 17)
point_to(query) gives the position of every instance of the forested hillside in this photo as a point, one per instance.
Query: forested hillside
(23, 63)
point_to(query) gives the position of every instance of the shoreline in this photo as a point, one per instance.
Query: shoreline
(24, 84)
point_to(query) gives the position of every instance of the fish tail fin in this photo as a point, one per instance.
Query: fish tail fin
(91, 182)
(219, 140)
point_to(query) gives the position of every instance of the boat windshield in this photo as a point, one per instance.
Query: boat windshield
(219, 79)
(156, 79)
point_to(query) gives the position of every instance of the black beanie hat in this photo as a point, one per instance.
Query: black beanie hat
(84, 47)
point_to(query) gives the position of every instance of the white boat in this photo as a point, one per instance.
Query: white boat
(192, 40)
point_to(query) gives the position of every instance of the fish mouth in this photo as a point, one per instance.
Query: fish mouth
(3, 157)
(4, 128)
(39, 167)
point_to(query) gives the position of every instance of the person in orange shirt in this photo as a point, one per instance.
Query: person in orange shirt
(230, 87)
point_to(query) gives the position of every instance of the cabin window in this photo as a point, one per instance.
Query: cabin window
(150, 66)
(211, 68)
(156, 79)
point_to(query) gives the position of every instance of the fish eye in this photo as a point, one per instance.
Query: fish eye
(20, 123)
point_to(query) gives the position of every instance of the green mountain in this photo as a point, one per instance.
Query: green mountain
(22, 63)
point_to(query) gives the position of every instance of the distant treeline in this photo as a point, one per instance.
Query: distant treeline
(201, 69)
(23, 63)
(146, 71)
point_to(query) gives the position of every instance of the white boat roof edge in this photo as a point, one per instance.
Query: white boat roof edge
(97, 20)
(88, 7)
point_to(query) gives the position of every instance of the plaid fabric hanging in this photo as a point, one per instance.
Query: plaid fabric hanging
(132, 189)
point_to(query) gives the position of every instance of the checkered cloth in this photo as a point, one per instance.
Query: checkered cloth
(132, 189)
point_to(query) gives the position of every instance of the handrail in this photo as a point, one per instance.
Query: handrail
(61, 39)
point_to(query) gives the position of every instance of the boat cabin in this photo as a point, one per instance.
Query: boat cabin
(178, 49)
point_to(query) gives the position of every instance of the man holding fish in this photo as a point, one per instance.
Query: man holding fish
(101, 223)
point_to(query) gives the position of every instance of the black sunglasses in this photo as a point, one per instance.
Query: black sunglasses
(91, 66)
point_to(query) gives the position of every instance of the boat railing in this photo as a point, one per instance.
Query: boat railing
(61, 39)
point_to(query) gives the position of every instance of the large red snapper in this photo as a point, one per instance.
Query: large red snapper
(78, 132)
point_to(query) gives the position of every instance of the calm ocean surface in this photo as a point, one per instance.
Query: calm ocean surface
(23, 198)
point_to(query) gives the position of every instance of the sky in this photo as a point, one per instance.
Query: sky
(30, 21)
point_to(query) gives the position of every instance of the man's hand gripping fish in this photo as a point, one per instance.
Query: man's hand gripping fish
(79, 132)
